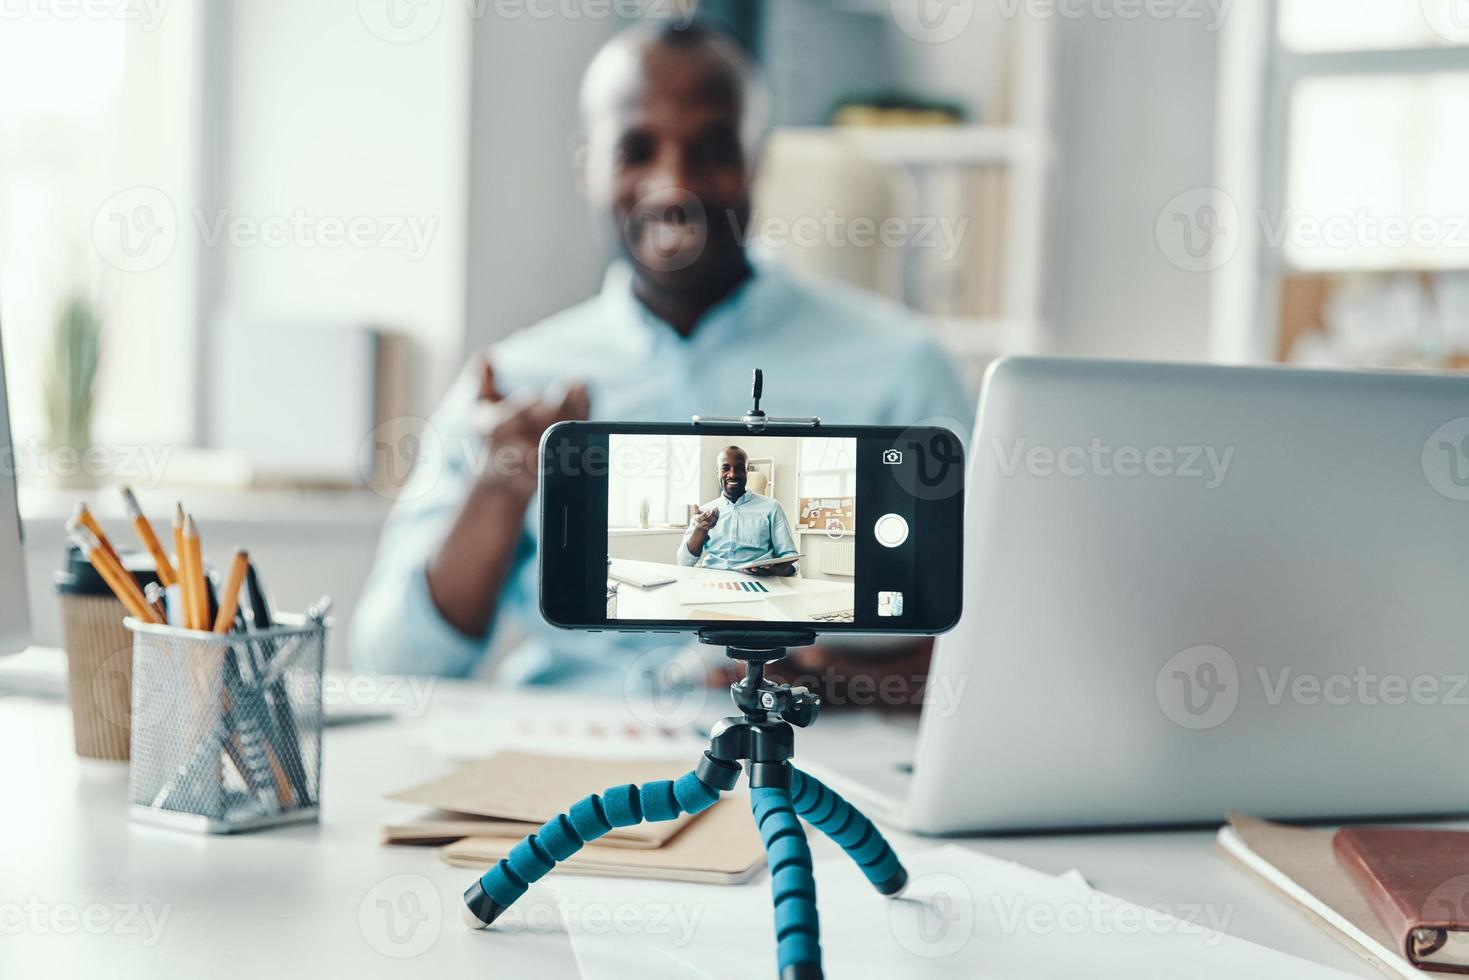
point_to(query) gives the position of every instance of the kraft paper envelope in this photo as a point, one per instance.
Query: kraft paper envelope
(722, 847)
(530, 788)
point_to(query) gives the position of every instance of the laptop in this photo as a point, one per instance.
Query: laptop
(15, 620)
(1194, 589)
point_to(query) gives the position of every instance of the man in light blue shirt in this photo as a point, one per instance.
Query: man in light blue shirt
(683, 316)
(738, 527)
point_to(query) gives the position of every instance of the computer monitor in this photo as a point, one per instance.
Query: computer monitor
(15, 616)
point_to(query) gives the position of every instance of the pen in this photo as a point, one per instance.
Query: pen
(150, 541)
(260, 617)
(275, 686)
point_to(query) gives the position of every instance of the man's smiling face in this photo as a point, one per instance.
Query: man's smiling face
(733, 466)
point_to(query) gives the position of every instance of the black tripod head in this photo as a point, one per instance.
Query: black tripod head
(757, 698)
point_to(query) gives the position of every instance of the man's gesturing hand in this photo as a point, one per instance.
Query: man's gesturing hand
(703, 521)
(512, 429)
(467, 573)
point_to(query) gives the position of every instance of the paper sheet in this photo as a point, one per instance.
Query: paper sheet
(964, 914)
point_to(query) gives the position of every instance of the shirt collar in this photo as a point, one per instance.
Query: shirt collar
(742, 498)
(765, 284)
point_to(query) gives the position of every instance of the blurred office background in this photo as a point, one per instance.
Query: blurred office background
(294, 221)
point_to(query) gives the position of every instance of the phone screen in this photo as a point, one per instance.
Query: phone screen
(684, 527)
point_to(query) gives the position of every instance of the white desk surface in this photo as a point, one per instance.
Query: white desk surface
(792, 598)
(285, 903)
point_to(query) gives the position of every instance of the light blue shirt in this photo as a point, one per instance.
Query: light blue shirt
(749, 528)
(832, 351)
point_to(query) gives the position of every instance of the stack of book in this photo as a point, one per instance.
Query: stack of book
(477, 813)
(1399, 896)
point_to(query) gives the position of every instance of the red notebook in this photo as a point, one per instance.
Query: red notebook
(1417, 881)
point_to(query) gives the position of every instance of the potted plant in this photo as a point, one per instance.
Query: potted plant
(69, 388)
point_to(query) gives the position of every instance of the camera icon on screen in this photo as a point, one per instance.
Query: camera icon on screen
(892, 457)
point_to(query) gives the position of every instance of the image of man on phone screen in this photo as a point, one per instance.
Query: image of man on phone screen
(739, 526)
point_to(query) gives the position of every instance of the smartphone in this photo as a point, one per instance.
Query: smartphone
(681, 527)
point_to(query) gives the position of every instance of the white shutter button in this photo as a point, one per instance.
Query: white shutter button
(891, 530)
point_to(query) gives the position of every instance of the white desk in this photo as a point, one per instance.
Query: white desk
(790, 599)
(285, 903)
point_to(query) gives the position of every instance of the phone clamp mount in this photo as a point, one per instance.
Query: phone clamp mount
(762, 738)
(756, 420)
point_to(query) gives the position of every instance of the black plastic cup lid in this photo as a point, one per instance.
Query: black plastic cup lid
(78, 577)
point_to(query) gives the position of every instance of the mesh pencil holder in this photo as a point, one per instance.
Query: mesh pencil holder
(226, 732)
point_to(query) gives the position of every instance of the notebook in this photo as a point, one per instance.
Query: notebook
(1300, 864)
(722, 847)
(1417, 881)
(530, 788)
(768, 562)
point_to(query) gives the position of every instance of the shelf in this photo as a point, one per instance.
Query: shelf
(930, 145)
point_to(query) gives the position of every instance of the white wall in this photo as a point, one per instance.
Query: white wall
(326, 116)
(1135, 105)
(532, 245)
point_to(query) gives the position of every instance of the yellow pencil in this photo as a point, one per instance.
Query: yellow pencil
(123, 585)
(150, 540)
(85, 518)
(229, 601)
(186, 578)
(198, 591)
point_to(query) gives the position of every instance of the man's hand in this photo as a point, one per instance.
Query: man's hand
(468, 571)
(512, 429)
(703, 521)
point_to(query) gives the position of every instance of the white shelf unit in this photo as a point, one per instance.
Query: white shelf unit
(930, 167)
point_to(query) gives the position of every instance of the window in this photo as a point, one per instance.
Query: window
(95, 104)
(1364, 207)
(828, 468)
(1365, 25)
(660, 473)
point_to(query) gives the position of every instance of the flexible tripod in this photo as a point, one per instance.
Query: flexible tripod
(779, 794)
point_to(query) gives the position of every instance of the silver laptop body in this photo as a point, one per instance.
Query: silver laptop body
(1191, 589)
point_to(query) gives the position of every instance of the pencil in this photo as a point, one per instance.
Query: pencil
(150, 540)
(84, 516)
(229, 602)
(118, 580)
(199, 597)
(186, 577)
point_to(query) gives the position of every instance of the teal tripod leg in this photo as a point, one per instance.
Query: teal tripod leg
(844, 824)
(563, 835)
(792, 886)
